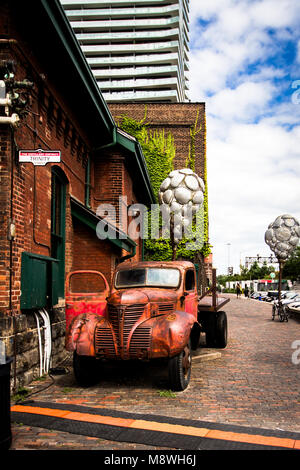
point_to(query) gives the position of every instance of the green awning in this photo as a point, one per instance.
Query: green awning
(91, 220)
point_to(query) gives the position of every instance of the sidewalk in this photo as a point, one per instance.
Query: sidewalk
(253, 384)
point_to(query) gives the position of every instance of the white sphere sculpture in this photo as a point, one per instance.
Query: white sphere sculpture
(283, 236)
(180, 192)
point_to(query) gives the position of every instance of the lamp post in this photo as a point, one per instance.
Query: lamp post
(228, 244)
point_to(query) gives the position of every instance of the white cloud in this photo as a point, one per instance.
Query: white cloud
(252, 136)
(242, 103)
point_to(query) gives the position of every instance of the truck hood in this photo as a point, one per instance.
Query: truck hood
(141, 295)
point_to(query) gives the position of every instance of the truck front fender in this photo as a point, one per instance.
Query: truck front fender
(170, 333)
(80, 335)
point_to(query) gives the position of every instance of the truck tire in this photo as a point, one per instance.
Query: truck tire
(221, 330)
(216, 330)
(85, 370)
(180, 369)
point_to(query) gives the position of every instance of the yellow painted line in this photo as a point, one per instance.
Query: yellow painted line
(161, 427)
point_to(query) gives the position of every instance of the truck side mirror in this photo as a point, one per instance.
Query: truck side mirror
(182, 298)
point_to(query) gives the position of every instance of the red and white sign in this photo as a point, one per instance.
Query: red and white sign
(39, 157)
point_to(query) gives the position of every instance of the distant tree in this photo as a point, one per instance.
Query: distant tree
(244, 272)
(291, 269)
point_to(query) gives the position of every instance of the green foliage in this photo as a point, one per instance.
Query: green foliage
(159, 152)
(158, 149)
(167, 393)
(190, 162)
(20, 395)
(255, 272)
(291, 268)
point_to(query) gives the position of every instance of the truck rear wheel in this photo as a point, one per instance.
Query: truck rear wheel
(216, 330)
(85, 369)
(180, 369)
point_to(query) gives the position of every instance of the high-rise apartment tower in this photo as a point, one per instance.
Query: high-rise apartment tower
(137, 49)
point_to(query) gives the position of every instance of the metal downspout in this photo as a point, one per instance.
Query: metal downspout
(111, 144)
(132, 254)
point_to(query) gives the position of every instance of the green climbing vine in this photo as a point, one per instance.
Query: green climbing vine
(158, 148)
(159, 151)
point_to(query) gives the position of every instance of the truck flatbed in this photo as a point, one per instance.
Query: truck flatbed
(209, 303)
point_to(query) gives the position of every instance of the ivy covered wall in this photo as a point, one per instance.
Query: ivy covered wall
(161, 155)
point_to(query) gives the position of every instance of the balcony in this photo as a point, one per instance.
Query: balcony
(168, 46)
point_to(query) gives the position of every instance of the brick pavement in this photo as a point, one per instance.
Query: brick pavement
(253, 383)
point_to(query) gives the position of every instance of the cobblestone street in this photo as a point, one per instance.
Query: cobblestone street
(254, 383)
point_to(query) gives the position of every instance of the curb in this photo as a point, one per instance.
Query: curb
(206, 357)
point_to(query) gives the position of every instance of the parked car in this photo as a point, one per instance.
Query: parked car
(254, 295)
(288, 299)
(263, 296)
(293, 307)
(272, 295)
(258, 295)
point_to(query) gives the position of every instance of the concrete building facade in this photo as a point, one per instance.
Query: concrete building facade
(137, 50)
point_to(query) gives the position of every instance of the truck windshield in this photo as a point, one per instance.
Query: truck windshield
(158, 277)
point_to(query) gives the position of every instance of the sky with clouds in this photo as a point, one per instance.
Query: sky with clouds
(245, 65)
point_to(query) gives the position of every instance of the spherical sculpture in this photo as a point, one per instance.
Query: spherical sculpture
(181, 195)
(283, 236)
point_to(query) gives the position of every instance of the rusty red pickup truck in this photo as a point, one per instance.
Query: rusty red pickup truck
(152, 311)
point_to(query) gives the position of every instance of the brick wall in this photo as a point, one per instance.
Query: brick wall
(25, 196)
(5, 210)
(176, 118)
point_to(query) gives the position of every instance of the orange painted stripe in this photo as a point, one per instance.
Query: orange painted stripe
(87, 417)
(40, 411)
(251, 438)
(162, 427)
(171, 428)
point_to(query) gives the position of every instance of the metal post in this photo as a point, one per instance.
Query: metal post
(173, 244)
(280, 281)
(214, 287)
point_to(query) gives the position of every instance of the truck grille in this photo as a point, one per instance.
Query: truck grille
(123, 319)
(166, 308)
(140, 341)
(104, 343)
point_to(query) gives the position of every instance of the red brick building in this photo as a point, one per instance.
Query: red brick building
(181, 120)
(49, 212)
(175, 118)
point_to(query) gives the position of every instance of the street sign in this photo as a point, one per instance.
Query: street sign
(39, 157)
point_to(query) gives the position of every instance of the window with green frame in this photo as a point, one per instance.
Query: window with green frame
(58, 223)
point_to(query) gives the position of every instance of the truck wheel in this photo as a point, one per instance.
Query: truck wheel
(180, 369)
(216, 330)
(84, 369)
(221, 330)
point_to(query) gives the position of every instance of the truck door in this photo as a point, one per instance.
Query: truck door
(190, 293)
(86, 292)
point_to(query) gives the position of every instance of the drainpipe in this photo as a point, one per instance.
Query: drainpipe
(13, 119)
(132, 254)
(111, 144)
